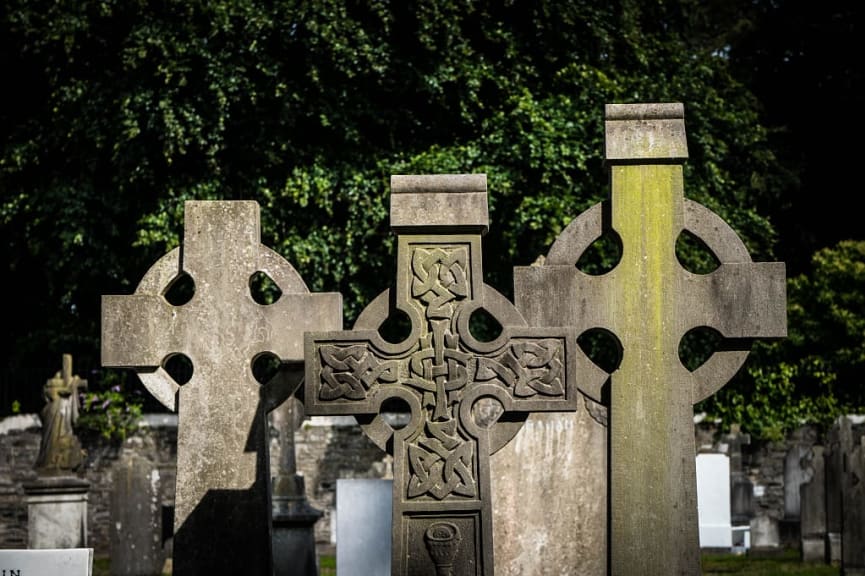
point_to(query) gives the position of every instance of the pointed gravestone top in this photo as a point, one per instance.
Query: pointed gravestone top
(222, 500)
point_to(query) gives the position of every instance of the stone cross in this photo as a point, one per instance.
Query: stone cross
(442, 374)
(649, 302)
(222, 501)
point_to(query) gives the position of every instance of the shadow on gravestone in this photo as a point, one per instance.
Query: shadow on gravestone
(222, 512)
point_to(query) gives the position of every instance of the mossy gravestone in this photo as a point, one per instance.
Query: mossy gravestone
(649, 302)
(441, 373)
(222, 500)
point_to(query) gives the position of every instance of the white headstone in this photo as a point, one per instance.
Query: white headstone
(363, 526)
(713, 500)
(47, 562)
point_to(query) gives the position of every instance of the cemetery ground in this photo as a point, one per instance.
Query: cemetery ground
(788, 562)
(713, 565)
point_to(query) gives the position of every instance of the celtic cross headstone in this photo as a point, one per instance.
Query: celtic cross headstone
(222, 497)
(649, 302)
(441, 372)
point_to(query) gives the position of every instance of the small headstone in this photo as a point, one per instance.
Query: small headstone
(834, 458)
(813, 509)
(363, 526)
(550, 486)
(442, 374)
(649, 302)
(136, 519)
(795, 474)
(765, 537)
(741, 487)
(68, 562)
(713, 501)
(222, 506)
(853, 490)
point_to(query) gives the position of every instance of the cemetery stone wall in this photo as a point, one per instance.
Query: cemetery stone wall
(327, 448)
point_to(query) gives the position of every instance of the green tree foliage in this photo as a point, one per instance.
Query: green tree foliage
(123, 110)
(818, 372)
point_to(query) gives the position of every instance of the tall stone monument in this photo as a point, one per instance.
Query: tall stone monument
(57, 499)
(649, 302)
(222, 522)
(293, 517)
(453, 384)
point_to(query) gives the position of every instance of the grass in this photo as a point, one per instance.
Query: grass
(786, 564)
(326, 566)
(102, 565)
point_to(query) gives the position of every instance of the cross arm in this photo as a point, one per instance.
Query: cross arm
(741, 300)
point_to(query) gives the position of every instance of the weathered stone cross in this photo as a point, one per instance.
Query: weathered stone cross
(441, 501)
(222, 501)
(650, 302)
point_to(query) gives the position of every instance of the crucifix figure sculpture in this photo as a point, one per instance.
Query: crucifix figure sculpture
(60, 450)
(442, 374)
(649, 302)
(222, 520)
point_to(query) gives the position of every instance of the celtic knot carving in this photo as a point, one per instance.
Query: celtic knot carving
(349, 371)
(527, 368)
(441, 462)
(441, 375)
(440, 277)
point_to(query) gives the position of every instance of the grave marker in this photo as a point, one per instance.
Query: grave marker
(441, 496)
(47, 562)
(813, 509)
(57, 497)
(649, 302)
(222, 500)
(363, 526)
(713, 501)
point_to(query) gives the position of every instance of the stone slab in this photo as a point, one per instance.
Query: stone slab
(48, 562)
(550, 487)
(363, 526)
(429, 201)
(713, 501)
(56, 512)
(136, 519)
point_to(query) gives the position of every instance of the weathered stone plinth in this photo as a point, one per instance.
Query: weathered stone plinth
(293, 528)
(57, 512)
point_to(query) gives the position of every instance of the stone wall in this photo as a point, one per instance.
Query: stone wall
(19, 444)
(327, 448)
